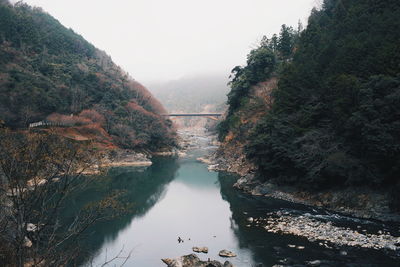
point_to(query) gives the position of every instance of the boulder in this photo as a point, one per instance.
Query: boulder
(200, 249)
(27, 242)
(30, 227)
(314, 263)
(226, 253)
(193, 261)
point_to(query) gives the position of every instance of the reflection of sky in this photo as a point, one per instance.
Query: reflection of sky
(191, 208)
(196, 176)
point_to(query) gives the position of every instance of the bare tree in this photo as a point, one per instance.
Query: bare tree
(38, 171)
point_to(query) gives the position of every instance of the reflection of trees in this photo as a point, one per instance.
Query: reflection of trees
(140, 189)
(269, 248)
(242, 206)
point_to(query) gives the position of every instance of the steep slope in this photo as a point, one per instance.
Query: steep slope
(231, 152)
(334, 119)
(48, 72)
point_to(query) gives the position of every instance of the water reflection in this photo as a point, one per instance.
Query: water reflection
(180, 198)
(269, 249)
(191, 208)
(141, 188)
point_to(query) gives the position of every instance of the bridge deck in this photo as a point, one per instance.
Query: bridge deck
(193, 115)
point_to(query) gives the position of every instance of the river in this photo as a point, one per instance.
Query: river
(179, 197)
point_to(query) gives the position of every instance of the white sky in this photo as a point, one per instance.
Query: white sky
(157, 40)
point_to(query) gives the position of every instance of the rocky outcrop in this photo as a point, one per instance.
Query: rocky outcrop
(193, 261)
(230, 157)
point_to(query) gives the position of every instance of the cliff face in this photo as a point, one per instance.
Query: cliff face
(49, 73)
(231, 154)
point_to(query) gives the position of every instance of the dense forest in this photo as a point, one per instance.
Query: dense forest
(48, 72)
(334, 118)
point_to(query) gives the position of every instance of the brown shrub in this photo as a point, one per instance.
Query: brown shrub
(145, 97)
(133, 106)
(68, 120)
(93, 115)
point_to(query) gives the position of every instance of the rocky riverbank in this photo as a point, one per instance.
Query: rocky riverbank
(355, 201)
(130, 158)
(325, 233)
(359, 202)
(123, 158)
(119, 158)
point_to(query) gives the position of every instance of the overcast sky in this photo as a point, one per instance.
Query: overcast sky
(157, 40)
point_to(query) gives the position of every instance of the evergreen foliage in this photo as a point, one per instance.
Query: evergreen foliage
(336, 118)
(263, 63)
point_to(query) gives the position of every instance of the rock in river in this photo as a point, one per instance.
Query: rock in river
(200, 249)
(193, 261)
(226, 253)
(314, 263)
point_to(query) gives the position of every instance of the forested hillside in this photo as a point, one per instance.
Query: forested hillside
(48, 72)
(334, 118)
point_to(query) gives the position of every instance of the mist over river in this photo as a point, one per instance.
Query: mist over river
(179, 197)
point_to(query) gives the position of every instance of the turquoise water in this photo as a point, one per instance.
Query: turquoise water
(180, 198)
(186, 203)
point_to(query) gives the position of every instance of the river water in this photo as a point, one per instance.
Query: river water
(179, 197)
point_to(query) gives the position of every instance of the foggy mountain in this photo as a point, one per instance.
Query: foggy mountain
(193, 93)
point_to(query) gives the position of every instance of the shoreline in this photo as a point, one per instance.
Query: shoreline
(359, 202)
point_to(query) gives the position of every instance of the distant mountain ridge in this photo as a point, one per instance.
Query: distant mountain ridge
(192, 93)
(48, 72)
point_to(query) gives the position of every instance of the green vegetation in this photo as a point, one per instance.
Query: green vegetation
(335, 117)
(47, 69)
(263, 63)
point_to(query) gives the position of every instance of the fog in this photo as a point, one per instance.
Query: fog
(159, 40)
